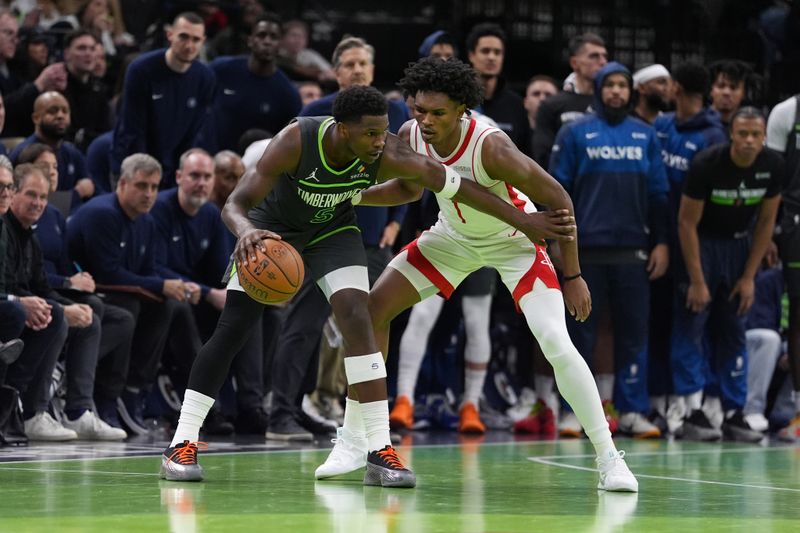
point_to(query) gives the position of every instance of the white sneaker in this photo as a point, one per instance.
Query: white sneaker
(712, 407)
(349, 454)
(636, 425)
(757, 422)
(89, 426)
(615, 474)
(44, 427)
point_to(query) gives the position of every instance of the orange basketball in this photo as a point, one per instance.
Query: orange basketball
(275, 276)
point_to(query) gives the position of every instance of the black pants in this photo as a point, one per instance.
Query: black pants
(32, 373)
(149, 338)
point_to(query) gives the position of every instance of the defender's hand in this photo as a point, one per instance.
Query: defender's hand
(558, 225)
(578, 298)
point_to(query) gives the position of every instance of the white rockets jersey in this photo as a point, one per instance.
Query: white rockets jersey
(466, 160)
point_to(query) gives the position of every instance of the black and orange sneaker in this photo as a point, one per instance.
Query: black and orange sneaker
(384, 469)
(179, 463)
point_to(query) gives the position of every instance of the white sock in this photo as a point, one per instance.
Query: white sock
(414, 342)
(544, 313)
(694, 401)
(376, 424)
(353, 422)
(544, 387)
(193, 412)
(605, 386)
(473, 385)
(797, 402)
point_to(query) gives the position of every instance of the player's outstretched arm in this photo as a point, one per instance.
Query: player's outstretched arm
(282, 155)
(502, 159)
(399, 161)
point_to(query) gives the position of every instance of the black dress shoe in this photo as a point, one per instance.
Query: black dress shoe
(251, 421)
(217, 424)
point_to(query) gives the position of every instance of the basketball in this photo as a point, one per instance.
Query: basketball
(275, 276)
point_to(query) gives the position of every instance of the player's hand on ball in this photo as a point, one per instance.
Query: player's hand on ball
(248, 242)
(577, 298)
(558, 225)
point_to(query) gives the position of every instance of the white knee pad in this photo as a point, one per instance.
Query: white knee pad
(546, 318)
(360, 368)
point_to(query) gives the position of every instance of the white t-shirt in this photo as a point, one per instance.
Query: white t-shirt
(253, 154)
(780, 124)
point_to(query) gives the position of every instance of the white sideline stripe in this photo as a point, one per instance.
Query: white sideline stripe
(82, 472)
(548, 462)
(671, 452)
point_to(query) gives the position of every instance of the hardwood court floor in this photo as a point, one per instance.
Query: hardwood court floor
(494, 484)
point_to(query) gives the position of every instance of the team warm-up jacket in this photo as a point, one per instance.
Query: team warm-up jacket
(615, 176)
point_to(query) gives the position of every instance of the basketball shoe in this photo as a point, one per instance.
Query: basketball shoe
(615, 475)
(349, 453)
(385, 469)
(179, 463)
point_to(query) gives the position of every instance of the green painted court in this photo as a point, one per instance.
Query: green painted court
(464, 486)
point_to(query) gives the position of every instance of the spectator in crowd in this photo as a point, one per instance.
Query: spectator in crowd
(104, 19)
(113, 237)
(117, 324)
(354, 64)
(86, 94)
(539, 89)
(653, 87)
(251, 90)
(44, 333)
(299, 61)
(228, 168)
(26, 274)
(52, 118)
(690, 129)
(166, 99)
(587, 55)
(783, 135)
(438, 44)
(730, 188)
(19, 95)
(486, 47)
(611, 165)
(729, 78)
(35, 320)
(232, 39)
(310, 91)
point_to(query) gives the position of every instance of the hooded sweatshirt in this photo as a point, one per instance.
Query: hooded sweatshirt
(610, 163)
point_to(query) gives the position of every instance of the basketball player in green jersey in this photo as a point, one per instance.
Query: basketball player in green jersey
(306, 182)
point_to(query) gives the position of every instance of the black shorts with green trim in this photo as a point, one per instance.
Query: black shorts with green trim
(789, 249)
(335, 245)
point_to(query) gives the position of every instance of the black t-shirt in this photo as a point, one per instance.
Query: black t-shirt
(731, 194)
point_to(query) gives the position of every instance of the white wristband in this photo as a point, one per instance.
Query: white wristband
(355, 200)
(452, 181)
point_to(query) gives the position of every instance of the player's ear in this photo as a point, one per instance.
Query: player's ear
(461, 109)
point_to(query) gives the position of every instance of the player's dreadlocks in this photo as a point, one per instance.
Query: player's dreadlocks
(452, 77)
(357, 101)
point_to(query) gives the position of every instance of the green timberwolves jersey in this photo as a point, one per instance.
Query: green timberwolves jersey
(316, 194)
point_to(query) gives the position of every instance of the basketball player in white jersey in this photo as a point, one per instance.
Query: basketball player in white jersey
(464, 240)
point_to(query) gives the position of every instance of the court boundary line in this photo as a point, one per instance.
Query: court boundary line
(547, 461)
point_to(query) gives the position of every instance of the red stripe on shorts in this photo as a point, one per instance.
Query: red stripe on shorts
(460, 214)
(542, 269)
(421, 263)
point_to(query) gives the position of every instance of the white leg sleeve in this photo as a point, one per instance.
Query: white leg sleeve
(414, 342)
(476, 322)
(544, 312)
